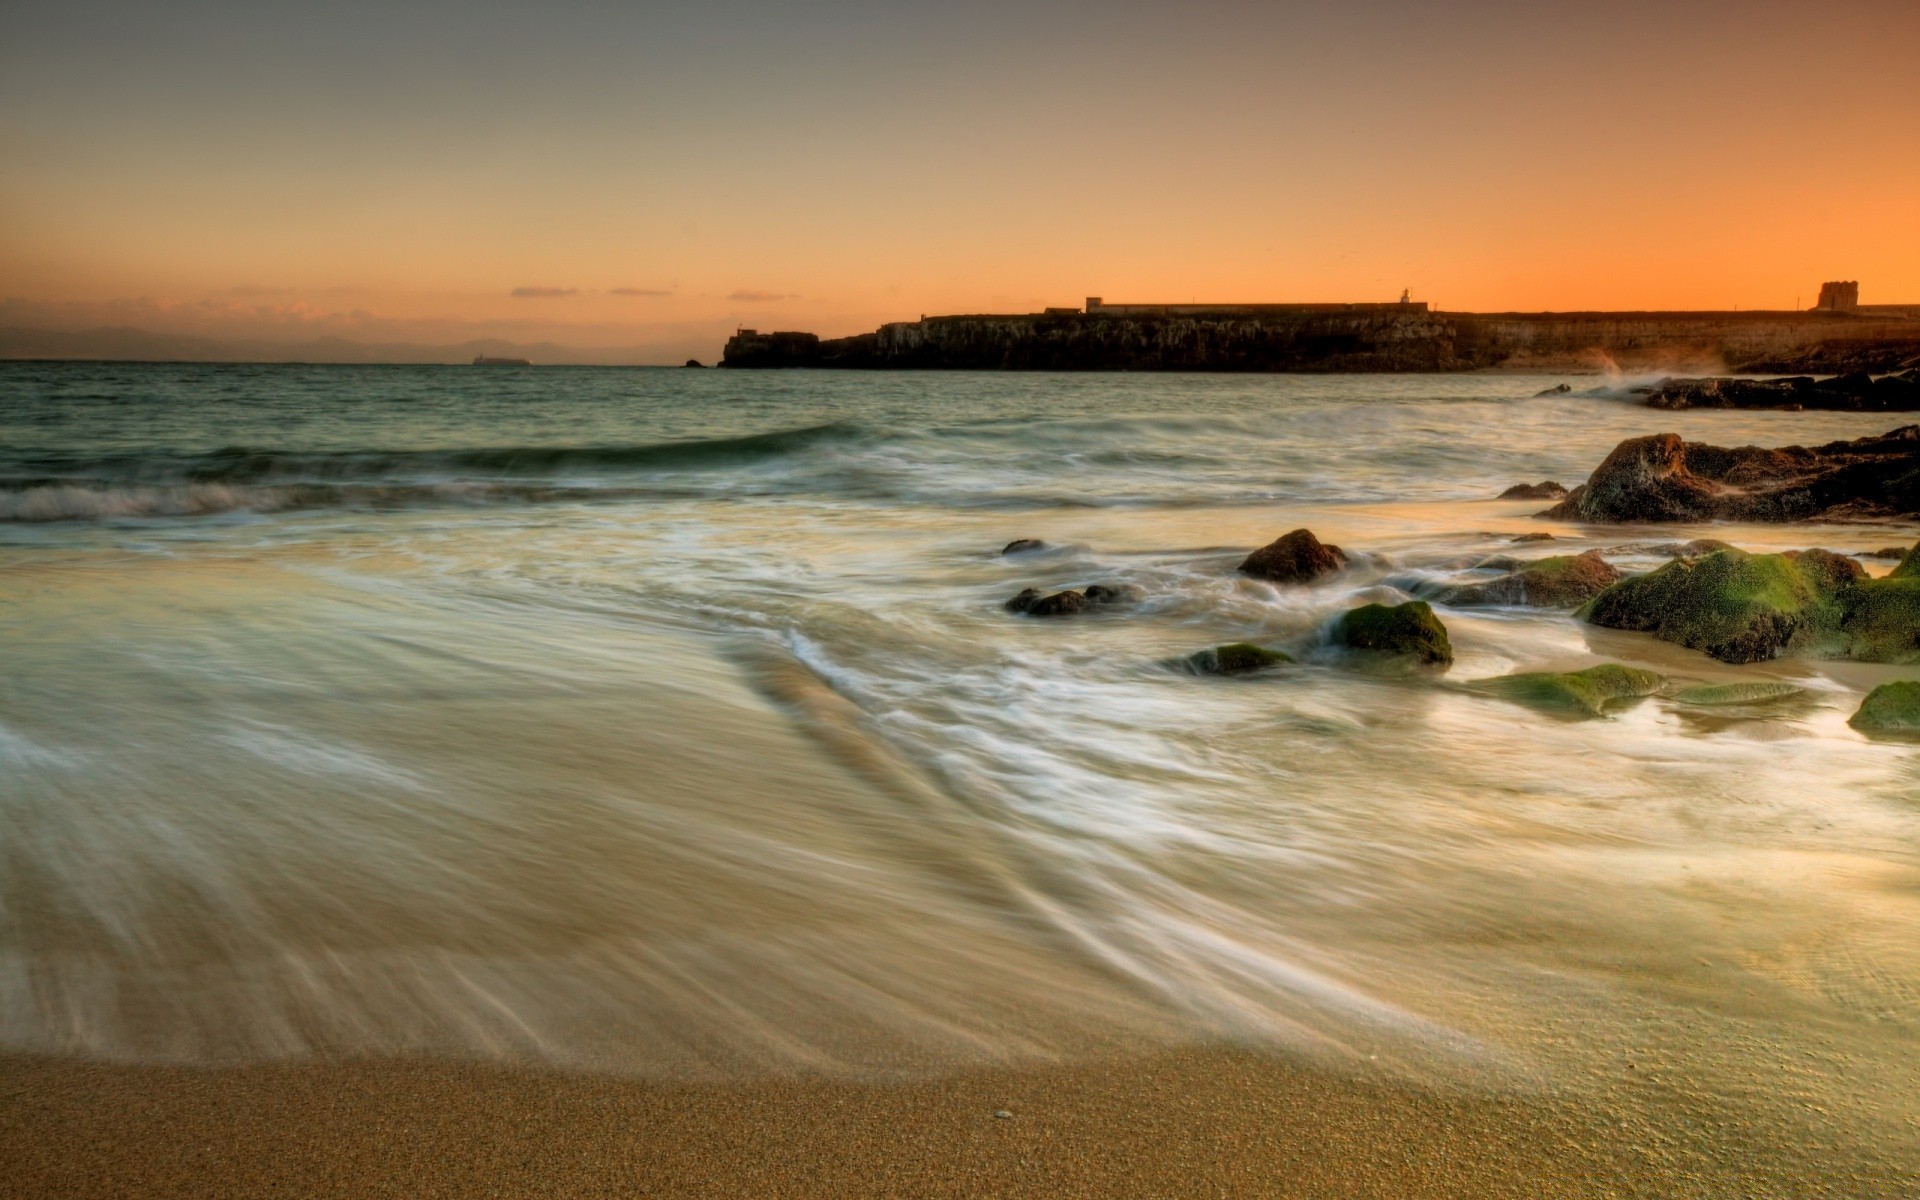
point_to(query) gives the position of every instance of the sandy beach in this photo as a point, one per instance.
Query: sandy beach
(1213, 1122)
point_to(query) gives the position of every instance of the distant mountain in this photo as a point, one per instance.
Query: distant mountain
(127, 344)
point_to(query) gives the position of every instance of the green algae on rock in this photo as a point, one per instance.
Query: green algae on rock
(1909, 567)
(1562, 581)
(1401, 630)
(1742, 608)
(1752, 691)
(1584, 693)
(1235, 658)
(1891, 706)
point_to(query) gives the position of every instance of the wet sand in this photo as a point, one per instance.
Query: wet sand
(1205, 1122)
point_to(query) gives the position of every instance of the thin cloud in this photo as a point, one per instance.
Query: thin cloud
(542, 293)
(638, 292)
(749, 294)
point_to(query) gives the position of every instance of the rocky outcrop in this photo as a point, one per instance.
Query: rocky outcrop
(1407, 631)
(1297, 557)
(1572, 693)
(1891, 707)
(1857, 392)
(1236, 658)
(1565, 581)
(1742, 608)
(1024, 546)
(1546, 489)
(1662, 478)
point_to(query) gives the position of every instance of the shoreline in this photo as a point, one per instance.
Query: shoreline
(1200, 1121)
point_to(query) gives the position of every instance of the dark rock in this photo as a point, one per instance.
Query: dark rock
(1561, 582)
(1297, 557)
(1114, 593)
(1236, 658)
(1558, 389)
(1546, 489)
(693, 362)
(1402, 630)
(1891, 706)
(1893, 552)
(1742, 608)
(1060, 604)
(1024, 601)
(1662, 478)
(1853, 392)
(1572, 693)
(1024, 546)
(1533, 537)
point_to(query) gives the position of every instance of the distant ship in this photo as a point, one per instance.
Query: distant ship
(482, 360)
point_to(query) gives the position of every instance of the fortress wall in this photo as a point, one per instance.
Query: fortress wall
(1392, 339)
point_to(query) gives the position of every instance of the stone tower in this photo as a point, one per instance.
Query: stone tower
(1841, 296)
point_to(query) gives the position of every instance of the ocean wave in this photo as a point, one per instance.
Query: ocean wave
(81, 502)
(244, 465)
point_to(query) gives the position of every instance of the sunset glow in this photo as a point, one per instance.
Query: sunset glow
(651, 178)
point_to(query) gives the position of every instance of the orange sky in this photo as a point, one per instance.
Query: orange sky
(654, 178)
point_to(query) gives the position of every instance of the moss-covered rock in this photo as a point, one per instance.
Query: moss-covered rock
(1880, 620)
(1753, 691)
(1401, 630)
(1891, 706)
(1909, 567)
(1235, 658)
(1572, 693)
(1737, 607)
(1743, 608)
(1563, 581)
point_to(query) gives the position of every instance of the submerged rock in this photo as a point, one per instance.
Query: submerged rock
(1572, 693)
(1564, 581)
(1400, 630)
(1024, 546)
(1753, 691)
(1741, 608)
(1533, 537)
(1546, 489)
(1065, 604)
(1297, 557)
(1662, 478)
(1060, 604)
(1558, 389)
(1891, 706)
(1235, 658)
(1692, 549)
(1024, 601)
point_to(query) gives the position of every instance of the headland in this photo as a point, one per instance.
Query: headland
(1838, 335)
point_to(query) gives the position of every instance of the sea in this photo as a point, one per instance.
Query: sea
(671, 723)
